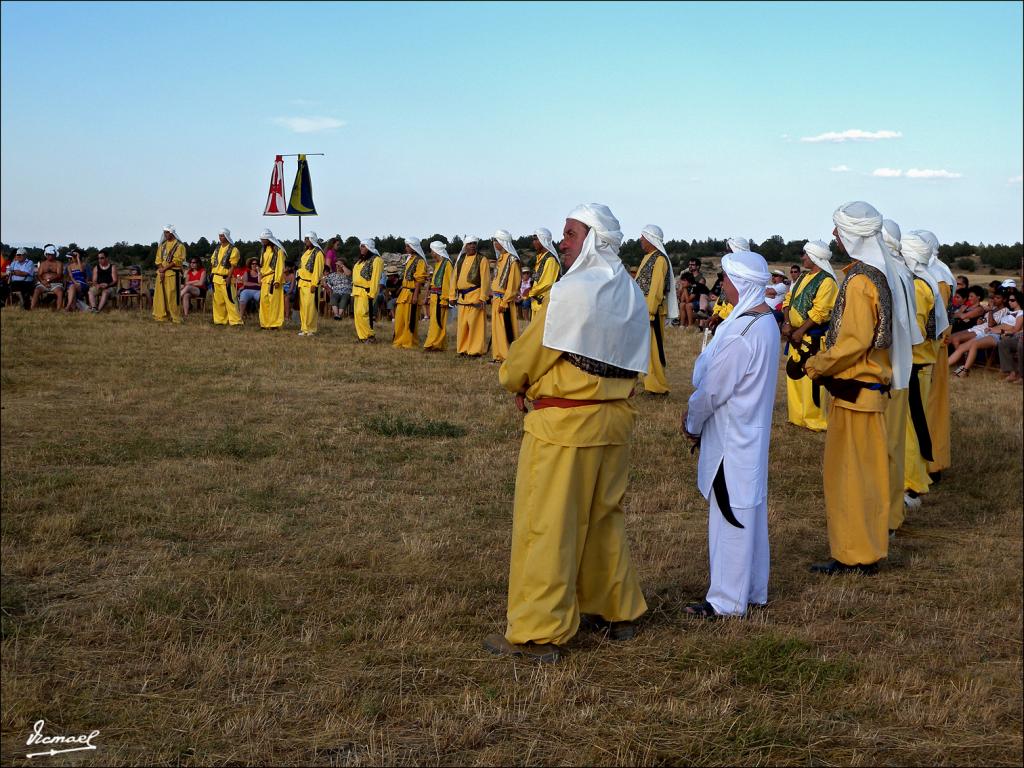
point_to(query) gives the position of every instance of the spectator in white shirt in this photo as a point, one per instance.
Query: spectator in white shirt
(999, 320)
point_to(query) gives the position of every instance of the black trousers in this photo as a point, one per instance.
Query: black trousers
(25, 288)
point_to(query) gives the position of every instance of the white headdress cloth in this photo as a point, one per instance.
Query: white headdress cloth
(818, 252)
(416, 245)
(440, 249)
(917, 252)
(315, 240)
(939, 269)
(544, 235)
(653, 234)
(371, 245)
(504, 238)
(891, 235)
(227, 235)
(737, 244)
(266, 234)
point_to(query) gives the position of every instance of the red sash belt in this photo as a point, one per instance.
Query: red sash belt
(561, 402)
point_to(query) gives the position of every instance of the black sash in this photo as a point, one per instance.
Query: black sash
(721, 492)
(437, 311)
(849, 389)
(509, 334)
(656, 328)
(917, 414)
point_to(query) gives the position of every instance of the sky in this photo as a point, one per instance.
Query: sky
(708, 119)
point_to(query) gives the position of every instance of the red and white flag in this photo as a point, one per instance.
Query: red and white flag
(276, 205)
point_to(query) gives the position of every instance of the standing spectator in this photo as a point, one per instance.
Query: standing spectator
(5, 288)
(775, 293)
(49, 280)
(104, 279)
(78, 286)
(195, 284)
(22, 273)
(339, 283)
(249, 295)
(331, 257)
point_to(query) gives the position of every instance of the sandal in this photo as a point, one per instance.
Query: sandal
(701, 610)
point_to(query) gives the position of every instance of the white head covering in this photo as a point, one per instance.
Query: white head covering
(544, 235)
(737, 244)
(917, 252)
(315, 240)
(939, 269)
(20, 252)
(859, 226)
(597, 310)
(504, 239)
(652, 234)
(266, 234)
(371, 245)
(818, 252)
(440, 249)
(748, 271)
(50, 250)
(227, 235)
(466, 241)
(416, 245)
(891, 235)
(1008, 284)
(169, 228)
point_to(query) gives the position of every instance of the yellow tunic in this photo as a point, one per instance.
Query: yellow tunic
(308, 276)
(414, 274)
(569, 549)
(897, 411)
(799, 393)
(271, 293)
(167, 288)
(442, 293)
(722, 308)
(474, 277)
(225, 298)
(547, 273)
(938, 397)
(915, 470)
(365, 285)
(504, 293)
(856, 464)
(650, 275)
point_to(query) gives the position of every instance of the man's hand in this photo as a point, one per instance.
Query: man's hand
(521, 403)
(797, 336)
(695, 439)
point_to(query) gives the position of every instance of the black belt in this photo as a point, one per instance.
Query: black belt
(917, 413)
(849, 389)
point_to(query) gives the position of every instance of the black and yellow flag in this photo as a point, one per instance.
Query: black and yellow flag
(301, 201)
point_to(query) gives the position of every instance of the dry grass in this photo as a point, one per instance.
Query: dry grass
(242, 547)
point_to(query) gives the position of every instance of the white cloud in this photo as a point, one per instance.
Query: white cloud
(853, 134)
(839, 168)
(928, 173)
(1016, 179)
(309, 124)
(887, 173)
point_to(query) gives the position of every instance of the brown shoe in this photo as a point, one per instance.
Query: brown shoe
(619, 631)
(543, 653)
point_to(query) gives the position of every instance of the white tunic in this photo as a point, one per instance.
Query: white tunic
(732, 409)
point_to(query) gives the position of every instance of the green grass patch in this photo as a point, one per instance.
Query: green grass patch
(390, 425)
(785, 664)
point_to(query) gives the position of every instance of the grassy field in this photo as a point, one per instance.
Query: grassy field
(238, 547)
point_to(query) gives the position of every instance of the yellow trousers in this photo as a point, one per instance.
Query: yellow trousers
(800, 401)
(362, 306)
(655, 380)
(856, 486)
(915, 469)
(569, 548)
(225, 304)
(308, 316)
(937, 410)
(471, 334)
(271, 306)
(437, 334)
(504, 329)
(897, 412)
(167, 297)
(405, 326)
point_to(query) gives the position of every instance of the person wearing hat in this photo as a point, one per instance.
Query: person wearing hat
(414, 274)
(548, 267)
(807, 310)
(472, 276)
(657, 281)
(22, 272)
(170, 257)
(49, 278)
(442, 294)
(366, 282)
(272, 259)
(224, 259)
(504, 294)
(308, 276)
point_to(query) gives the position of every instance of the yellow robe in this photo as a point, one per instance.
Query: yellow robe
(308, 275)
(414, 274)
(915, 470)
(365, 285)
(569, 549)
(225, 297)
(472, 281)
(271, 292)
(722, 308)
(897, 411)
(856, 464)
(167, 288)
(938, 397)
(655, 380)
(442, 293)
(504, 293)
(547, 273)
(799, 393)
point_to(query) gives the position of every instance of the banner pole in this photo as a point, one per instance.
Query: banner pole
(300, 229)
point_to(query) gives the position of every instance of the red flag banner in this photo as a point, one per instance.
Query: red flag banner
(275, 197)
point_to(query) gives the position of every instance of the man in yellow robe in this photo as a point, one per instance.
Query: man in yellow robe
(504, 294)
(170, 256)
(272, 258)
(577, 363)
(472, 280)
(855, 368)
(807, 309)
(365, 285)
(442, 293)
(656, 280)
(547, 269)
(308, 276)
(414, 275)
(225, 297)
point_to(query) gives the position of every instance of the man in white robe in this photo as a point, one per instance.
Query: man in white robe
(730, 418)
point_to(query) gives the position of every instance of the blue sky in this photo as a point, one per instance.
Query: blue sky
(707, 119)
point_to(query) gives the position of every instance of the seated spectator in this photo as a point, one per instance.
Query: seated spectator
(999, 320)
(134, 284)
(195, 284)
(104, 279)
(238, 276)
(962, 282)
(339, 284)
(523, 302)
(957, 300)
(49, 278)
(394, 283)
(5, 288)
(77, 285)
(249, 296)
(289, 285)
(969, 313)
(1011, 345)
(22, 276)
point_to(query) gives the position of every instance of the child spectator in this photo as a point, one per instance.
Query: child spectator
(195, 284)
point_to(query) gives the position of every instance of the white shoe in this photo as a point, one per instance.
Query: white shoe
(910, 504)
(302, 333)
